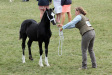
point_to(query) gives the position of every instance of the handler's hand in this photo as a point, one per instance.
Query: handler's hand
(59, 25)
(61, 29)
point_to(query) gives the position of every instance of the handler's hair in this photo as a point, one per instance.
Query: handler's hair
(81, 10)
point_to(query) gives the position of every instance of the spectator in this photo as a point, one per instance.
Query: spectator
(66, 8)
(57, 10)
(43, 4)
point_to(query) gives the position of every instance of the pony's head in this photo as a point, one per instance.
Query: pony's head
(51, 15)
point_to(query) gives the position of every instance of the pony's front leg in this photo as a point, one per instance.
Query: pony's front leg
(46, 61)
(41, 52)
(46, 53)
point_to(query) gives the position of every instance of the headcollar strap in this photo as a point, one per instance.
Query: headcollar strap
(48, 17)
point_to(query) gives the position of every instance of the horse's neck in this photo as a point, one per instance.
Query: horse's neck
(45, 21)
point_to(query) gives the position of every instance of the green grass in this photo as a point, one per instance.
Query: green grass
(11, 17)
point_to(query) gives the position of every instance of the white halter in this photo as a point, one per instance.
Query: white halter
(52, 15)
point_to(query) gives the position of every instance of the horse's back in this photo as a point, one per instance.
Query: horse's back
(29, 21)
(29, 27)
(32, 30)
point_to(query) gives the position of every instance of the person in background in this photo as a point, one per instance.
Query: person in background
(88, 35)
(25, 0)
(43, 4)
(57, 10)
(66, 8)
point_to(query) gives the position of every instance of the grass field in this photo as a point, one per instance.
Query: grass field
(11, 17)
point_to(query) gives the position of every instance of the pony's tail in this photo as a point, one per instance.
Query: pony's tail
(23, 28)
(21, 32)
(20, 35)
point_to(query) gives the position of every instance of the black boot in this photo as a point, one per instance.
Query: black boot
(94, 65)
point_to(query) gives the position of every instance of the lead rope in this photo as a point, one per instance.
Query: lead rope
(60, 41)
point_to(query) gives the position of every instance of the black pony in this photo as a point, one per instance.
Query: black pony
(37, 32)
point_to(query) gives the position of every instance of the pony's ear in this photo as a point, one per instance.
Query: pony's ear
(53, 8)
(46, 9)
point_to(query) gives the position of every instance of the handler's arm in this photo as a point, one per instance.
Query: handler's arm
(72, 23)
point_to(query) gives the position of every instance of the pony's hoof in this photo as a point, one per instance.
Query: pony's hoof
(23, 61)
(30, 57)
(41, 65)
(23, 58)
(47, 64)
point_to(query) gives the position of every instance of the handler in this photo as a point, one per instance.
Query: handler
(88, 35)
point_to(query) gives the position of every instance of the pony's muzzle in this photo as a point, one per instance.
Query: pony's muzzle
(53, 22)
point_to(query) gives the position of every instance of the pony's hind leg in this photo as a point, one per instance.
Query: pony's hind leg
(23, 48)
(41, 52)
(29, 48)
(46, 53)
